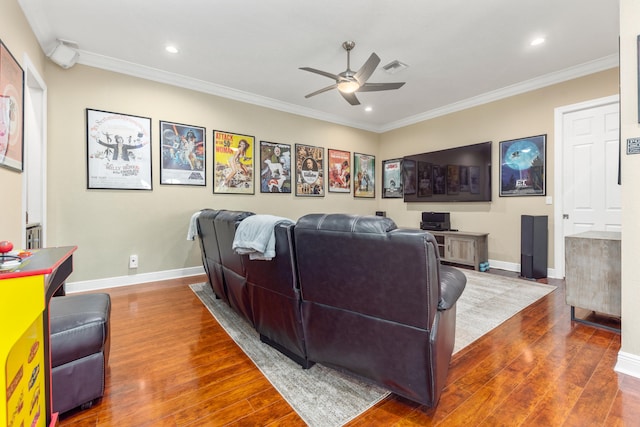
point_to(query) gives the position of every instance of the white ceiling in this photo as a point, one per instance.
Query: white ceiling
(460, 52)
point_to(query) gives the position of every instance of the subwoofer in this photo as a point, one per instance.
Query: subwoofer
(533, 246)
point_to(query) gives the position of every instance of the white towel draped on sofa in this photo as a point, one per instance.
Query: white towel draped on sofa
(255, 236)
(192, 232)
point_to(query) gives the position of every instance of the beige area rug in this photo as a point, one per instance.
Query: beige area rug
(488, 300)
(324, 397)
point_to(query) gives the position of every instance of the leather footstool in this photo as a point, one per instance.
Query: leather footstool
(79, 326)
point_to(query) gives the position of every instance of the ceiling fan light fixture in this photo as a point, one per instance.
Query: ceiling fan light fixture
(348, 86)
(348, 82)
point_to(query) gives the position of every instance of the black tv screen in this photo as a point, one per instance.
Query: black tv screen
(460, 174)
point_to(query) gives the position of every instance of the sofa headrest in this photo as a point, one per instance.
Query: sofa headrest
(208, 214)
(348, 223)
(233, 216)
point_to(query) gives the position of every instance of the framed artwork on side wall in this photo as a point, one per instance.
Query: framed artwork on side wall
(523, 166)
(392, 182)
(364, 170)
(233, 163)
(309, 171)
(275, 164)
(11, 111)
(182, 154)
(339, 171)
(118, 151)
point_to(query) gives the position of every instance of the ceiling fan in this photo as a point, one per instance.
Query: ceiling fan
(349, 82)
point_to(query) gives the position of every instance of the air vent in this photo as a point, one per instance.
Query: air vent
(394, 66)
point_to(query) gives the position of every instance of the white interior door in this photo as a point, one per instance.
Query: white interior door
(589, 190)
(35, 160)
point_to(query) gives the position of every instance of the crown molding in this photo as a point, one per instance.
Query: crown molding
(153, 74)
(571, 73)
(111, 64)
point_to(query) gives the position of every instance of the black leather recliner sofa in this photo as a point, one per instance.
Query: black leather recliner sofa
(371, 302)
(265, 293)
(354, 293)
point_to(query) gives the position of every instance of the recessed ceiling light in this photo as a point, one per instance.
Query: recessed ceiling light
(171, 49)
(537, 41)
(367, 109)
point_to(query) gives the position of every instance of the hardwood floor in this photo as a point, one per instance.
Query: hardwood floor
(171, 364)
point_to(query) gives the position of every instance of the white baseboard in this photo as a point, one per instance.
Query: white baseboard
(134, 279)
(628, 364)
(512, 266)
(502, 265)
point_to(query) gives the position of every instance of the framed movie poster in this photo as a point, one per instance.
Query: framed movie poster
(233, 163)
(474, 179)
(523, 166)
(409, 176)
(425, 179)
(339, 171)
(309, 171)
(453, 179)
(275, 163)
(11, 111)
(364, 169)
(118, 151)
(392, 186)
(183, 154)
(439, 180)
(464, 179)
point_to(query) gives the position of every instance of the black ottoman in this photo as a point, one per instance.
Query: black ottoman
(79, 326)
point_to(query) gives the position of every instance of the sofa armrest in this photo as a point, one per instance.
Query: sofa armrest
(452, 283)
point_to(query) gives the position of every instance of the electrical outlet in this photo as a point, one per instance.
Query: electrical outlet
(133, 261)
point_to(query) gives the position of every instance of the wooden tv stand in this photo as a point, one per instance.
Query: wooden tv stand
(460, 247)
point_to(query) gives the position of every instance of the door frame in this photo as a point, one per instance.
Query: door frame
(37, 88)
(558, 169)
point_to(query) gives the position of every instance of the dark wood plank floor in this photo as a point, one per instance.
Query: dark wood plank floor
(171, 364)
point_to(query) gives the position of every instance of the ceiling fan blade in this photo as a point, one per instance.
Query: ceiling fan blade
(333, 86)
(373, 87)
(363, 74)
(322, 73)
(350, 97)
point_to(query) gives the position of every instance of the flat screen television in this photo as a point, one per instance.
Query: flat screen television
(460, 174)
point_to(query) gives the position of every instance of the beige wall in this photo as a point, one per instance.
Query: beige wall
(519, 116)
(17, 36)
(629, 30)
(109, 225)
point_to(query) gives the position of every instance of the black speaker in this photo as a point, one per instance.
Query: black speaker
(435, 217)
(435, 221)
(381, 213)
(533, 246)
